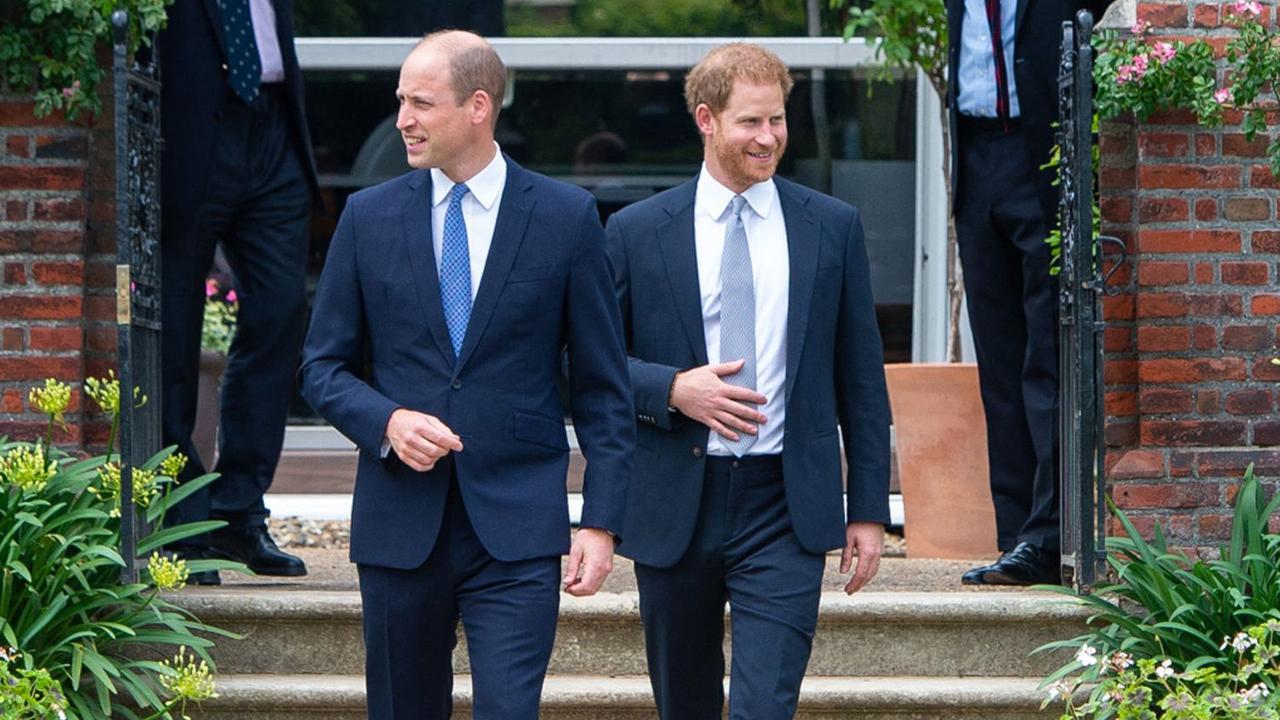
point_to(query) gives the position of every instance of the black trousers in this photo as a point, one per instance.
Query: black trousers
(744, 551)
(508, 611)
(1012, 301)
(256, 204)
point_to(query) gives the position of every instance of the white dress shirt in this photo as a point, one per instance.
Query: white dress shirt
(264, 34)
(479, 211)
(771, 273)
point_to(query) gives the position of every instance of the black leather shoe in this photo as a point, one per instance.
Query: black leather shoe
(1026, 564)
(255, 548)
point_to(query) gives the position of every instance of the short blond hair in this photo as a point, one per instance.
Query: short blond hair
(711, 81)
(473, 65)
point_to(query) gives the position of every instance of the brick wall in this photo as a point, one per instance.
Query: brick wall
(1191, 395)
(57, 257)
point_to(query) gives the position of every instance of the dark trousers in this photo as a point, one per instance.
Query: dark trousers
(1013, 311)
(744, 551)
(508, 611)
(256, 204)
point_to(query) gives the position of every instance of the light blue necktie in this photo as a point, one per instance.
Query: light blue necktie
(738, 312)
(244, 66)
(455, 270)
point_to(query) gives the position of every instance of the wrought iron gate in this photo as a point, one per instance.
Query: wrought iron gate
(1081, 284)
(137, 135)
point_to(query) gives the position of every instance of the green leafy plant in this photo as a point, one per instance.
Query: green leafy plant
(80, 643)
(220, 308)
(1144, 75)
(52, 47)
(1203, 617)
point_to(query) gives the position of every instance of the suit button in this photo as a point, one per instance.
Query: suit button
(224, 67)
(697, 452)
(456, 385)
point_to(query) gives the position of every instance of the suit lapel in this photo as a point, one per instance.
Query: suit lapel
(215, 19)
(417, 234)
(508, 234)
(680, 256)
(803, 235)
(1017, 23)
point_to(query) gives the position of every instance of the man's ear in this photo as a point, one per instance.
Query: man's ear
(705, 119)
(482, 108)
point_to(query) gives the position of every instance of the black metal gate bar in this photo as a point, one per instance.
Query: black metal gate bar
(1080, 422)
(137, 139)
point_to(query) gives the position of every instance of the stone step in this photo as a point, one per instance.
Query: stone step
(579, 697)
(971, 634)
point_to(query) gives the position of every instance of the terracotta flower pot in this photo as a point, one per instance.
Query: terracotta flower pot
(208, 407)
(940, 431)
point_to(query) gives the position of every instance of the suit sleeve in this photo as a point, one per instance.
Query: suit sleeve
(650, 382)
(602, 407)
(862, 400)
(332, 373)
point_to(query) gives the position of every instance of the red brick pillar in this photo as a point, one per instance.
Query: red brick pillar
(1191, 396)
(57, 253)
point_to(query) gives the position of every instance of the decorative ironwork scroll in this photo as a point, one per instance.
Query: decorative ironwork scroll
(138, 146)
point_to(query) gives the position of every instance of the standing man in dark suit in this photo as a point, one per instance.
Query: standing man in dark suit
(237, 171)
(461, 283)
(1003, 102)
(751, 331)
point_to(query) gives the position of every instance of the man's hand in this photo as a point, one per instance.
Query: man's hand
(867, 538)
(700, 394)
(590, 562)
(420, 440)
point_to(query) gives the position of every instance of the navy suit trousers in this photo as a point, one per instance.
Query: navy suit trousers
(1013, 312)
(255, 203)
(744, 551)
(508, 612)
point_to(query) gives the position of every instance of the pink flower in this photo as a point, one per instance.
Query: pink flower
(1223, 96)
(1140, 64)
(1140, 28)
(210, 287)
(72, 90)
(231, 296)
(1163, 52)
(1251, 8)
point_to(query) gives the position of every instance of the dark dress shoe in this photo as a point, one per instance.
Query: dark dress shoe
(1026, 564)
(255, 548)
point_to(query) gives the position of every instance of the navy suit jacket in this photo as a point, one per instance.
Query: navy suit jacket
(193, 63)
(378, 342)
(834, 373)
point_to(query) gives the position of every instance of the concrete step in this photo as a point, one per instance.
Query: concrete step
(570, 697)
(971, 634)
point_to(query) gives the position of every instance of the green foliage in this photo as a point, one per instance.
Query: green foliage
(50, 47)
(1203, 617)
(1144, 75)
(908, 33)
(26, 694)
(220, 310)
(665, 18)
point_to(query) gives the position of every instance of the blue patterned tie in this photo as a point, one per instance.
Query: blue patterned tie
(244, 66)
(738, 312)
(455, 270)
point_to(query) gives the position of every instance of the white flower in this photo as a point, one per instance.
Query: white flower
(1165, 671)
(1240, 642)
(1120, 661)
(1255, 693)
(1060, 690)
(1087, 656)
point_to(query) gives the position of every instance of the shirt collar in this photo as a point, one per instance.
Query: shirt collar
(485, 186)
(713, 198)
